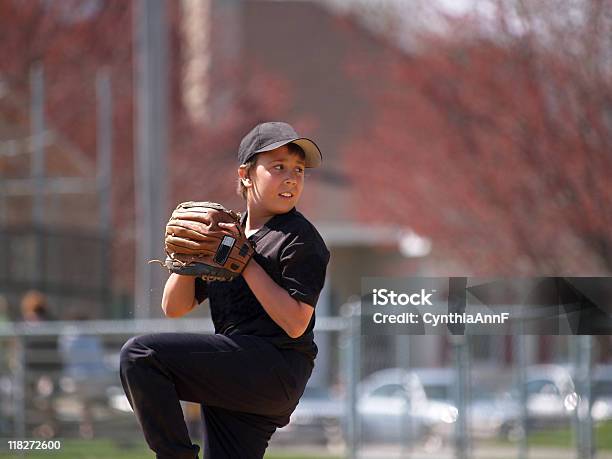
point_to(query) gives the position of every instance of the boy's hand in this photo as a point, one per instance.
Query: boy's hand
(205, 239)
(234, 228)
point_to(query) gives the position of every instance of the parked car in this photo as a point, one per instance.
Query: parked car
(495, 411)
(551, 400)
(551, 395)
(492, 414)
(393, 408)
(438, 383)
(487, 413)
(318, 419)
(601, 393)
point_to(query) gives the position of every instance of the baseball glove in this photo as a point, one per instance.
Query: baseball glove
(197, 246)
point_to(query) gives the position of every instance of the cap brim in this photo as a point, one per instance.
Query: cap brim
(311, 150)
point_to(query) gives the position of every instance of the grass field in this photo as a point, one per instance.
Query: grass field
(107, 449)
(563, 438)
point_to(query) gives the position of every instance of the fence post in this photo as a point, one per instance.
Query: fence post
(461, 356)
(521, 383)
(104, 130)
(457, 303)
(583, 366)
(19, 387)
(353, 338)
(407, 422)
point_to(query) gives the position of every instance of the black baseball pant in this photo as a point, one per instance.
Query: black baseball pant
(246, 386)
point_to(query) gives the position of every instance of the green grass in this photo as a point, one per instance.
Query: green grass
(561, 438)
(564, 438)
(604, 436)
(107, 449)
(299, 456)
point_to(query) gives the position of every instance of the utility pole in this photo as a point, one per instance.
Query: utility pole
(151, 144)
(104, 149)
(37, 167)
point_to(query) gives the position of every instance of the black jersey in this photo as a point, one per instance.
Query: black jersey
(290, 249)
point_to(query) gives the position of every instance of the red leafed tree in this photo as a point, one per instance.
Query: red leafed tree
(495, 140)
(73, 40)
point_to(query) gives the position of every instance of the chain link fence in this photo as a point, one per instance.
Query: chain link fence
(372, 396)
(477, 396)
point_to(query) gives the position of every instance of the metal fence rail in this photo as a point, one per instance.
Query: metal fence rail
(36, 390)
(38, 397)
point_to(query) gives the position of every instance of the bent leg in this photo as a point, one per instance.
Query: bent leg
(239, 374)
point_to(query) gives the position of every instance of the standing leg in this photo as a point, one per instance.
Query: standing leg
(232, 434)
(153, 397)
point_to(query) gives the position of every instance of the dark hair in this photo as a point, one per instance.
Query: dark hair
(294, 149)
(34, 303)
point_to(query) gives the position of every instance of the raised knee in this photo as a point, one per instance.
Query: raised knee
(134, 349)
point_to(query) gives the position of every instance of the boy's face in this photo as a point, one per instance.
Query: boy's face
(276, 181)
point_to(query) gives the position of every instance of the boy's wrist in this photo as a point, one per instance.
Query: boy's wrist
(248, 269)
(183, 277)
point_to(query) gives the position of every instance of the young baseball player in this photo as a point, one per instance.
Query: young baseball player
(249, 375)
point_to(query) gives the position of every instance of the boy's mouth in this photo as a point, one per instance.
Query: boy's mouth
(286, 194)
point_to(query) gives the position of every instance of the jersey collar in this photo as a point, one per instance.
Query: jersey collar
(265, 229)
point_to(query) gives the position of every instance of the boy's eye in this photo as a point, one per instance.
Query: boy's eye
(280, 167)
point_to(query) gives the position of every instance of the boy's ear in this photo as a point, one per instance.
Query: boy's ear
(244, 177)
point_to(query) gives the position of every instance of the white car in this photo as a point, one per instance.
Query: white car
(551, 395)
(601, 393)
(487, 412)
(551, 399)
(393, 407)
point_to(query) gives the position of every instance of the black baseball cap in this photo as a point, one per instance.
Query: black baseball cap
(274, 134)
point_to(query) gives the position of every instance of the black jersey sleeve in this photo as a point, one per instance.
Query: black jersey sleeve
(303, 264)
(201, 292)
